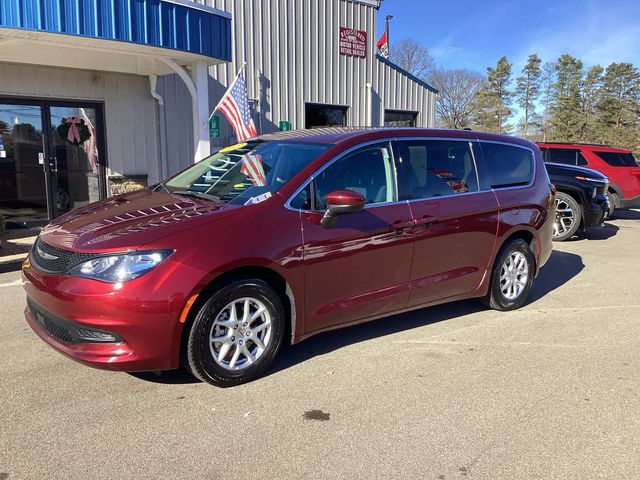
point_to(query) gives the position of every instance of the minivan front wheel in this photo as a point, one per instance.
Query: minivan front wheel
(236, 333)
(512, 276)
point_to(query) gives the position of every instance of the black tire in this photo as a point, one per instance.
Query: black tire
(614, 202)
(496, 298)
(200, 349)
(568, 217)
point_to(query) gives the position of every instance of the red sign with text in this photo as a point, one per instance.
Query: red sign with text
(353, 42)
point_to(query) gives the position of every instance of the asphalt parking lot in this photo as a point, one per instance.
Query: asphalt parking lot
(550, 391)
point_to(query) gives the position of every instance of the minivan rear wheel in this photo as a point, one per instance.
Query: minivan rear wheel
(236, 334)
(512, 276)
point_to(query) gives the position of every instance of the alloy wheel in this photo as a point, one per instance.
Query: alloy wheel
(514, 274)
(240, 333)
(565, 218)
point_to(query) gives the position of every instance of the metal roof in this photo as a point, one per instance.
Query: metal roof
(171, 24)
(422, 83)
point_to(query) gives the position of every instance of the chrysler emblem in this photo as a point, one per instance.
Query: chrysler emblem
(45, 255)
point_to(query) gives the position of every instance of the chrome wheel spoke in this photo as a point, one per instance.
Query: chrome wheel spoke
(224, 349)
(235, 357)
(258, 343)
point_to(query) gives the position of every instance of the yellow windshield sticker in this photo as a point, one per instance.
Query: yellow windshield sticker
(232, 147)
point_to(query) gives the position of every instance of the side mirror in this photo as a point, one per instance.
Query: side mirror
(340, 202)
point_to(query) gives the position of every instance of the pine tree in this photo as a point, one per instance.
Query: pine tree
(494, 98)
(547, 83)
(619, 106)
(566, 116)
(590, 96)
(528, 90)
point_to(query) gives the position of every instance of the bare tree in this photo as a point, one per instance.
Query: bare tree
(412, 57)
(457, 91)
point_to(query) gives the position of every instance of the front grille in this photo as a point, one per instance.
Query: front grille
(50, 259)
(50, 323)
(67, 331)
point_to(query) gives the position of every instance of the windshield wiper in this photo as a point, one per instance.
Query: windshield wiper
(191, 193)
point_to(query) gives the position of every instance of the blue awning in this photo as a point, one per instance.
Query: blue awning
(179, 25)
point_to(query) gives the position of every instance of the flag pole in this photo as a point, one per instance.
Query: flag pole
(386, 30)
(244, 64)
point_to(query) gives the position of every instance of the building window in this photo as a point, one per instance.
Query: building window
(318, 116)
(399, 118)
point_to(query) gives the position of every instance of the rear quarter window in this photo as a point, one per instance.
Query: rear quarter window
(505, 166)
(618, 159)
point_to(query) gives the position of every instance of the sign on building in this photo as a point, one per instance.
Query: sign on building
(214, 126)
(353, 42)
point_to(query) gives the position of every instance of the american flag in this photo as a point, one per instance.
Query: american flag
(253, 169)
(235, 106)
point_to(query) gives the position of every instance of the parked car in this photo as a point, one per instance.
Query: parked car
(581, 199)
(307, 232)
(617, 164)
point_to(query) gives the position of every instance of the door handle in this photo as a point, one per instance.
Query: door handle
(426, 220)
(399, 226)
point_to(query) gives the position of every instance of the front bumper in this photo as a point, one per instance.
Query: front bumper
(142, 315)
(595, 213)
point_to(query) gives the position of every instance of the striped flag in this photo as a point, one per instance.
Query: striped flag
(235, 106)
(253, 169)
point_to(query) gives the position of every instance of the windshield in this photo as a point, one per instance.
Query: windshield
(245, 173)
(618, 159)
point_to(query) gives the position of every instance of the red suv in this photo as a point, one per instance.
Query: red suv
(620, 167)
(287, 236)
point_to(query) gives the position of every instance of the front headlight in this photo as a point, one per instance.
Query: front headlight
(120, 268)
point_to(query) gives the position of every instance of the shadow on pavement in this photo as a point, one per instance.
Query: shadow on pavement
(173, 377)
(626, 215)
(559, 269)
(604, 232)
(327, 342)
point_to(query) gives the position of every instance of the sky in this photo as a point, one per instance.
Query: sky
(475, 34)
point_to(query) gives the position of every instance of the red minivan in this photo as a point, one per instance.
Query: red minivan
(286, 236)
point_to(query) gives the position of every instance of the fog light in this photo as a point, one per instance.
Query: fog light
(97, 336)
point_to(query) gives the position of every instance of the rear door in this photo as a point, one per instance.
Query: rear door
(455, 222)
(360, 267)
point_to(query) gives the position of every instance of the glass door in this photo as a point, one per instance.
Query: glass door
(73, 145)
(23, 189)
(50, 160)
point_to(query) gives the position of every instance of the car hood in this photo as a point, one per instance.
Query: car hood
(574, 170)
(131, 220)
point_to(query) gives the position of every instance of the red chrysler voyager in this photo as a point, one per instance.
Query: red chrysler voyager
(287, 236)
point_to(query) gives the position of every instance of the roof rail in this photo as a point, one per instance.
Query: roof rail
(580, 143)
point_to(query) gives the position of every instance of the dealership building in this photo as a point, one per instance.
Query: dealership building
(101, 96)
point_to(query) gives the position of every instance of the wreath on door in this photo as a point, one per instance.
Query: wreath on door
(74, 130)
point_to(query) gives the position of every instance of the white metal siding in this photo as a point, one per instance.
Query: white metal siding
(130, 112)
(292, 55)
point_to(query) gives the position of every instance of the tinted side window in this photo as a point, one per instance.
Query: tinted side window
(618, 159)
(581, 160)
(302, 201)
(505, 166)
(563, 155)
(368, 171)
(433, 168)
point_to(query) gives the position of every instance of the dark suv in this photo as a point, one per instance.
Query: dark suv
(305, 232)
(581, 199)
(619, 166)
